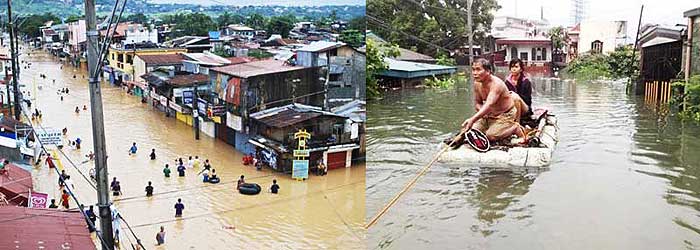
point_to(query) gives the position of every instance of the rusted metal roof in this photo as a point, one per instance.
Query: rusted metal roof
(166, 59)
(15, 185)
(39, 228)
(256, 68)
(288, 115)
(185, 80)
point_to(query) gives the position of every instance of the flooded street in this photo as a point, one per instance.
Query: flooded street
(321, 213)
(625, 175)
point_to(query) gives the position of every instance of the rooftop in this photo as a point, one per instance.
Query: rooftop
(38, 228)
(256, 68)
(165, 59)
(16, 184)
(207, 58)
(321, 46)
(288, 115)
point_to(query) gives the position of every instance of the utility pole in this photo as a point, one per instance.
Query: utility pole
(195, 112)
(634, 50)
(98, 133)
(7, 84)
(15, 67)
(471, 31)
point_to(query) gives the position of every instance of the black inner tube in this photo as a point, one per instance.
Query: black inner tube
(249, 188)
(214, 180)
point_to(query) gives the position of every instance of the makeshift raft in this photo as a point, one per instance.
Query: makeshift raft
(521, 156)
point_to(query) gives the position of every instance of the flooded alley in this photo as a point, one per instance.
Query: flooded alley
(625, 175)
(324, 212)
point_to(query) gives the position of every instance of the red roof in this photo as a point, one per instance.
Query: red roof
(49, 32)
(162, 59)
(39, 228)
(15, 185)
(185, 80)
(237, 60)
(121, 30)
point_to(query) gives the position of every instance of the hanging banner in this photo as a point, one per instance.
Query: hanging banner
(50, 136)
(233, 121)
(202, 106)
(38, 200)
(187, 96)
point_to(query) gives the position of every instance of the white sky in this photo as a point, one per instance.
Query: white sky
(558, 12)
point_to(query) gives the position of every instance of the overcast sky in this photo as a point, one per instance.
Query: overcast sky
(558, 12)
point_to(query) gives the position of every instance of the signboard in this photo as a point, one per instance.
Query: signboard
(301, 153)
(214, 35)
(202, 106)
(218, 110)
(154, 95)
(38, 200)
(50, 136)
(175, 107)
(235, 122)
(164, 101)
(187, 96)
(300, 169)
(300, 166)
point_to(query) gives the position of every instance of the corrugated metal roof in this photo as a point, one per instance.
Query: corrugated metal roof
(658, 40)
(37, 228)
(208, 58)
(321, 46)
(162, 59)
(17, 182)
(288, 115)
(414, 66)
(256, 68)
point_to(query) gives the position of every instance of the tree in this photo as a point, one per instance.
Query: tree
(358, 23)
(352, 37)
(137, 18)
(442, 23)
(30, 24)
(558, 38)
(375, 65)
(280, 25)
(73, 18)
(193, 24)
(255, 21)
(227, 18)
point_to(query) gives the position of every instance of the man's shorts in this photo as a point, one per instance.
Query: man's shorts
(494, 125)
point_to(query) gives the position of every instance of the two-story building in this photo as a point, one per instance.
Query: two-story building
(252, 87)
(121, 59)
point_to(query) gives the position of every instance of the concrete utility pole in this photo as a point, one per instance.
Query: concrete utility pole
(471, 31)
(195, 112)
(15, 67)
(98, 133)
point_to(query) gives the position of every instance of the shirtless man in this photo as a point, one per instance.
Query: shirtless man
(497, 113)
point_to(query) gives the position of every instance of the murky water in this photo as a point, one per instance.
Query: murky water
(624, 176)
(322, 212)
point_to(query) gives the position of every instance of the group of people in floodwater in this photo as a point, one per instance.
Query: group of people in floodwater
(500, 105)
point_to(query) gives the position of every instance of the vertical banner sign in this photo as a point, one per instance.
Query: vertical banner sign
(300, 166)
(38, 200)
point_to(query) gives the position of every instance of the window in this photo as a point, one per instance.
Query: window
(596, 46)
(112, 56)
(129, 59)
(513, 53)
(523, 56)
(544, 54)
(534, 53)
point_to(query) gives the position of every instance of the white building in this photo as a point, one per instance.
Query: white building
(507, 26)
(137, 33)
(601, 36)
(239, 30)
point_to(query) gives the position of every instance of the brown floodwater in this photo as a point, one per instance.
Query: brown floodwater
(625, 175)
(320, 213)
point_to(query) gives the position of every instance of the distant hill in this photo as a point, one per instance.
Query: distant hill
(65, 8)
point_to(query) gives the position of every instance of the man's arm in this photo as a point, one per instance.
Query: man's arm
(478, 100)
(491, 99)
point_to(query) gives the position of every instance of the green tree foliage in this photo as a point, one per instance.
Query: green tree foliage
(358, 23)
(375, 65)
(442, 22)
(259, 54)
(280, 25)
(227, 18)
(444, 59)
(353, 38)
(690, 96)
(73, 18)
(618, 64)
(30, 24)
(193, 24)
(137, 18)
(558, 36)
(255, 21)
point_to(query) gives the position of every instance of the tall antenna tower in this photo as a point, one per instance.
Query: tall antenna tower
(578, 12)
